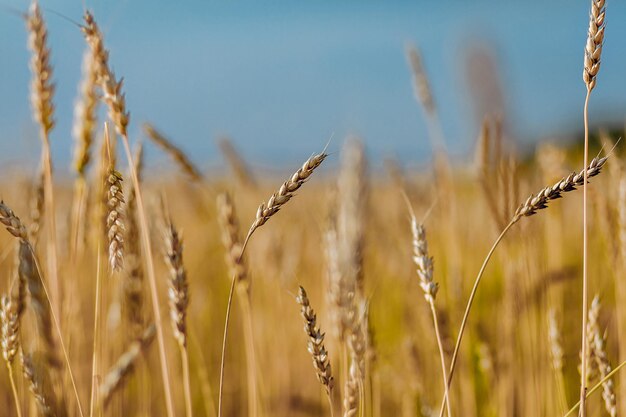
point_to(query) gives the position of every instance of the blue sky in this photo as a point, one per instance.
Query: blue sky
(280, 77)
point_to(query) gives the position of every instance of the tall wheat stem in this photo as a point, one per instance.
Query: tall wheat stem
(145, 238)
(186, 382)
(231, 293)
(96, 319)
(14, 390)
(597, 386)
(441, 355)
(472, 296)
(58, 329)
(583, 371)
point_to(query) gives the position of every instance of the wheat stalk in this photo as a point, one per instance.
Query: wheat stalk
(530, 207)
(117, 112)
(42, 91)
(593, 50)
(425, 271)
(263, 214)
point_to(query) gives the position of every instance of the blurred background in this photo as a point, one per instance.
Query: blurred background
(279, 78)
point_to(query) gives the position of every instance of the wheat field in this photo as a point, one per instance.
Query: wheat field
(487, 286)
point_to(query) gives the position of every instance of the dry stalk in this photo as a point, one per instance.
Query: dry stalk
(593, 50)
(116, 104)
(30, 273)
(174, 152)
(425, 271)
(263, 214)
(42, 91)
(528, 208)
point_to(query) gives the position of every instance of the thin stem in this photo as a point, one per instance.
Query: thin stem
(331, 404)
(58, 329)
(470, 301)
(583, 371)
(14, 390)
(226, 321)
(145, 239)
(596, 387)
(186, 384)
(250, 354)
(51, 217)
(96, 319)
(446, 392)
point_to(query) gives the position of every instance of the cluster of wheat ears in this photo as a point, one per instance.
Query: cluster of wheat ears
(83, 302)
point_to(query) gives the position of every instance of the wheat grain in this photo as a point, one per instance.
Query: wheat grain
(569, 183)
(286, 191)
(115, 219)
(593, 47)
(37, 208)
(598, 355)
(12, 223)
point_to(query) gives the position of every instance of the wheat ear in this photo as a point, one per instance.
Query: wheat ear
(556, 354)
(9, 341)
(315, 345)
(179, 301)
(42, 91)
(425, 270)
(116, 104)
(593, 50)
(263, 214)
(115, 219)
(528, 208)
(231, 239)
